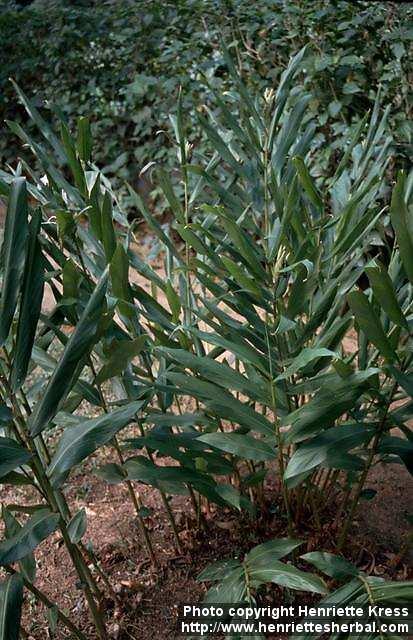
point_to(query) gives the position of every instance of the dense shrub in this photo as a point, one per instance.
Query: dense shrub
(266, 275)
(121, 63)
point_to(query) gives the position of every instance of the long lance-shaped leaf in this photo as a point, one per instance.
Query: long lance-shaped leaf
(308, 184)
(287, 576)
(222, 147)
(12, 527)
(153, 223)
(217, 372)
(271, 550)
(334, 566)
(240, 445)
(108, 231)
(399, 220)
(223, 403)
(383, 290)
(13, 253)
(11, 600)
(370, 324)
(283, 93)
(327, 405)
(78, 442)
(68, 368)
(12, 455)
(169, 194)
(37, 529)
(43, 126)
(246, 97)
(121, 352)
(119, 274)
(306, 356)
(30, 306)
(330, 446)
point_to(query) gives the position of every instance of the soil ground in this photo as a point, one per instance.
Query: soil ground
(149, 597)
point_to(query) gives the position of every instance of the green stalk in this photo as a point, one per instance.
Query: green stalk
(77, 558)
(279, 447)
(163, 496)
(372, 452)
(137, 503)
(45, 458)
(134, 496)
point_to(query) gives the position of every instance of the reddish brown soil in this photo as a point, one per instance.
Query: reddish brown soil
(148, 597)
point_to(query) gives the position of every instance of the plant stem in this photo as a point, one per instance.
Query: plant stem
(134, 496)
(163, 496)
(373, 449)
(137, 503)
(54, 503)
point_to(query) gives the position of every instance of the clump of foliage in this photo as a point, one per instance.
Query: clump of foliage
(121, 64)
(272, 270)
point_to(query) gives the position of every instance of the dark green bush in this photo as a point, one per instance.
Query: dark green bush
(122, 64)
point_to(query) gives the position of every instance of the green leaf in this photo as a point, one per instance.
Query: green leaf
(77, 526)
(142, 469)
(111, 473)
(84, 139)
(308, 184)
(286, 575)
(329, 447)
(334, 566)
(216, 399)
(121, 352)
(71, 278)
(36, 529)
(52, 618)
(169, 193)
(370, 324)
(6, 415)
(173, 301)
(231, 589)
(14, 254)
(266, 552)
(30, 305)
(119, 275)
(217, 372)
(11, 600)
(399, 216)
(94, 210)
(108, 231)
(15, 479)
(240, 445)
(244, 351)
(73, 159)
(230, 495)
(350, 88)
(383, 290)
(218, 570)
(327, 405)
(398, 447)
(43, 126)
(306, 356)
(12, 527)
(66, 225)
(69, 366)
(244, 245)
(12, 455)
(80, 441)
(245, 282)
